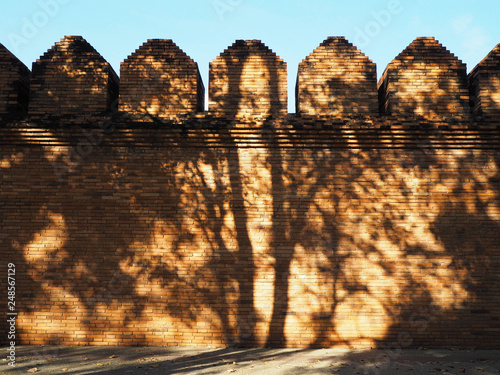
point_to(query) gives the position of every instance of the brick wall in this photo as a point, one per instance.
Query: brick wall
(337, 80)
(484, 86)
(72, 78)
(160, 80)
(248, 80)
(319, 235)
(298, 231)
(14, 84)
(427, 81)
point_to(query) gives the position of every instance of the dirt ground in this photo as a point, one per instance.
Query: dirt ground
(182, 360)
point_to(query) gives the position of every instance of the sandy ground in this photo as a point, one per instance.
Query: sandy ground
(182, 360)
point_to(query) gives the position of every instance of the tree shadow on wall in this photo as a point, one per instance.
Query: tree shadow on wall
(454, 296)
(148, 230)
(340, 97)
(254, 79)
(72, 82)
(136, 245)
(439, 101)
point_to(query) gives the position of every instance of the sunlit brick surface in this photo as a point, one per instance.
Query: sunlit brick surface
(14, 84)
(160, 80)
(72, 78)
(427, 81)
(337, 80)
(484, 84)
(327, 234)
(243, 226)
(248, 80)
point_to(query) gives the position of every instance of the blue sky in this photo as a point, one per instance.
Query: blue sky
(292, 28)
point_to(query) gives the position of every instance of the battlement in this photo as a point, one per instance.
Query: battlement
(160, 80)
(337, 80)
(248, 80)
(426, 81)
(484, 87)
(14, 84)
(72, 78)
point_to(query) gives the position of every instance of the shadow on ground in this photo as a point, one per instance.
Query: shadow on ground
(184, 360)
